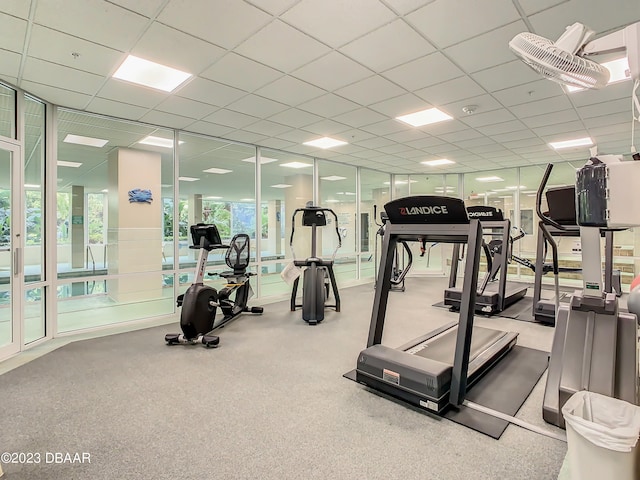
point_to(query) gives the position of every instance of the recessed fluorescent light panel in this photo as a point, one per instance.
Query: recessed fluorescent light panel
(150, 74)
(333, 178)
(578, 142)
(63, 163)
(263, 160)
(331, 200)
(28, 185)
(88, 141)
(492, 178)
(106, 190)
(213, 198)
(247, 199)
(296, 165)
(402, 182)
(618, 72)
(281, 185)
(188, 179)
(345, 193)
(325, 142)
(436, 163)
(516, 187)
(219, 171)
(424, 117)
(158, 141)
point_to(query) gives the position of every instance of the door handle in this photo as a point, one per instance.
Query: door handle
(16, 262)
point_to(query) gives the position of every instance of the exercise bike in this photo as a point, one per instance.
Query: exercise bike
(318, 277)
(200, 302)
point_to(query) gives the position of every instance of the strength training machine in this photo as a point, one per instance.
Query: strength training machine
(200, 302)
(318, 276)
(495, 294)
(434, 370)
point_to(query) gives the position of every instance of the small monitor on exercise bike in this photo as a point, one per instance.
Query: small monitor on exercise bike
(207, 231)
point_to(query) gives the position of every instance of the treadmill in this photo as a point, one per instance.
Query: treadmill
(495, 294)
(436, 369)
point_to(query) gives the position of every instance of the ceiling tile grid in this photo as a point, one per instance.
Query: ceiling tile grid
(281, 72)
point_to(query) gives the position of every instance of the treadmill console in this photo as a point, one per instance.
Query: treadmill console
(427, 209)
(485, 213)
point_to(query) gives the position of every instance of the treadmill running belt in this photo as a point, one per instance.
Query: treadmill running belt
(443, 350)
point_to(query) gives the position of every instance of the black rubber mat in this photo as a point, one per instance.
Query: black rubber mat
(504, 389)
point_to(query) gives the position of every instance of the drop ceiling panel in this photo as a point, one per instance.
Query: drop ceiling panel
(446, 22)
(513, 136)
(489, 118)
(533, 6)
(328, 105)
(120, 91)
(455, 137)
(290, 91)
(425, 143)
(332, 71)
(407, 136)
(213, 93)
(328, 128)
(599, 16)
(389, 46)
(61, 77)
(551, 118)
(541, 107)
(57, 47)
(17, 8)
(204, 19)
(611, 119)
(265, 127)
(480, 104)
(505, 76)
(385, 127)
(406, 6)
(358, 118)
(475, 143)
(102, 22)
(559, 128)
(423, 72)
(245, 136)
(294, 117)
(504, 127)
(13, 33)
(611, 92)
(156, 117)
(375, 142)
(240, 72)
(348, 20)
(148, 8)
(487, 50)
(176, 49)
(370, 91)
(451, 91)
(56, 95)
(606, 108)
(115, 109)
(355, 135)
(230, 118)
(9, 65)
(441, 128)
(274, 7)
(186, 107)
(267, 46)
(528, 92)
(400, 105)
(276, 143)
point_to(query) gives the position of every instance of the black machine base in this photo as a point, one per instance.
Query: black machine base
(489, 302)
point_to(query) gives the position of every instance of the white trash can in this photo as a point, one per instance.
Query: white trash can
(602, 437)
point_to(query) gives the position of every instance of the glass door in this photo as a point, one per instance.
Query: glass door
(10, 251)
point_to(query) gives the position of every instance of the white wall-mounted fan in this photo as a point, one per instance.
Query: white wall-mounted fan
(564, 61)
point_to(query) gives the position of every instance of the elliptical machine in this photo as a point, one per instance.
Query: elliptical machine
(399, 270)
(199, 302)
(318, 276)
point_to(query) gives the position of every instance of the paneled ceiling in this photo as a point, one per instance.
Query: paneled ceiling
(278, 73)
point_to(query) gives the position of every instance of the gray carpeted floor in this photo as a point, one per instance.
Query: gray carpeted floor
(270, 403)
